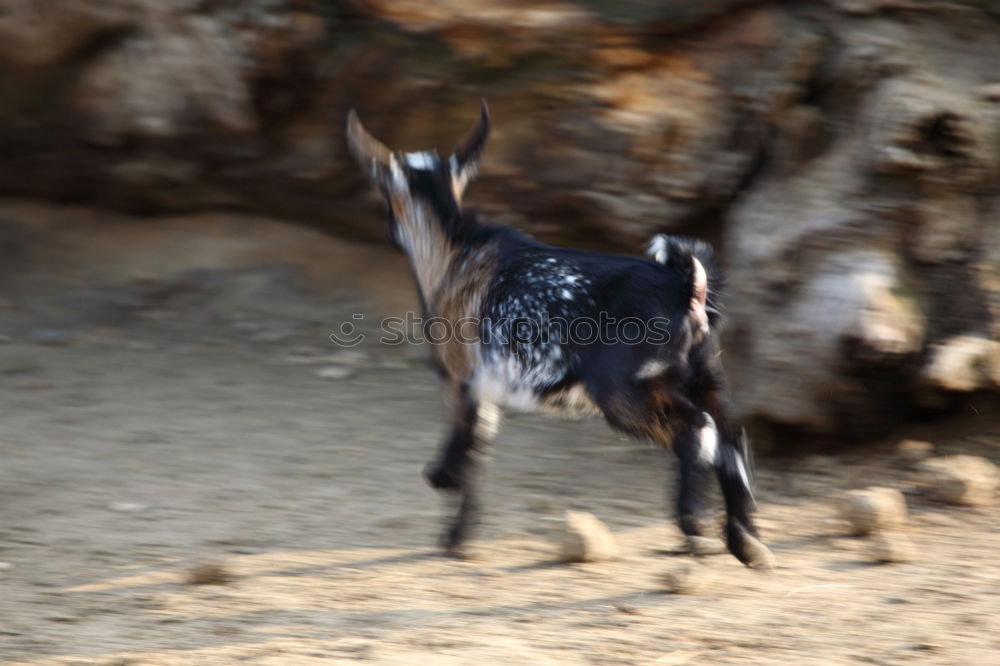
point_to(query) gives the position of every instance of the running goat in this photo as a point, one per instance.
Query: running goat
(541, 328)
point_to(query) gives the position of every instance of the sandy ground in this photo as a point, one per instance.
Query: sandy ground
(168, 403)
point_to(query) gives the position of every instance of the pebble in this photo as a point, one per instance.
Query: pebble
(335, 372)
(127, 507)
(207, 573)
(690, 577)
(891, 547)
(962, 479)
(912, 451)
(587, 539)
(873, 509)
(353, 357)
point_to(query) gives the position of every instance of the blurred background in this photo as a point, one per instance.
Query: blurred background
(843, 155)
(181, 229)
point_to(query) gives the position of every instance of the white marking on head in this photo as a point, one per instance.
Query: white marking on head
(424, 159)
(651, 368)
(708, 441)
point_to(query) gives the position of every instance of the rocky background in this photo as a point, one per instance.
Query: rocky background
(844, 155)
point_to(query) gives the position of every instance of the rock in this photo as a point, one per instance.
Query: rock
(962, 479)
(173, 70)
(587, 539)
(963, 363)
(912, 451)
(689, 577)
(848, 164)
(34, 36)
(335, 372)
(208, 573)
(873, 509)
(891, 547)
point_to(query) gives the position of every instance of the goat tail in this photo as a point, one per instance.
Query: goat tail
(696, 259)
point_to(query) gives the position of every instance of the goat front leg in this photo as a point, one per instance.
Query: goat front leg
(458, 467)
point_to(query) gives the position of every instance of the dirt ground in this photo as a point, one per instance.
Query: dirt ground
(170, 398)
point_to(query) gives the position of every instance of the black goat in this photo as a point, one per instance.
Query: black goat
(529, 304)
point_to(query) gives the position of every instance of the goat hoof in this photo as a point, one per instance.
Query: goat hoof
(440, 478)
(453, 544)
(749, 550)
(700, 546)
(759, 556)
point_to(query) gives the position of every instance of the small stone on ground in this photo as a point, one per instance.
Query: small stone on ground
(689, 577)
(587, 539)
(208, 573)
(913, 451)
(873, 509)
(891, 547)
(963, 479)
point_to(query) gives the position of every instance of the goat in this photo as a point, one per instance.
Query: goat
(667, 387)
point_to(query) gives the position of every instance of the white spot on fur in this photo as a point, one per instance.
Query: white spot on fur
(657, 248)
(708, 445)
(741, 468)
(424, 160)
(501, 381)
(398, 179)
(488, 420)
(567, 294)
(651, 368)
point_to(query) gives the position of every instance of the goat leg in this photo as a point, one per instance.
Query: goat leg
(456, 471)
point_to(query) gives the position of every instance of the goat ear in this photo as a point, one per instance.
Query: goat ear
(465, 160)
(371, 154)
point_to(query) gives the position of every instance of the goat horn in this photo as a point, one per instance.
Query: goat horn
(474, 142)
(366, 149)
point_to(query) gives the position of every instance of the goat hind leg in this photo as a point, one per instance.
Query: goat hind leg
(732, 470)
(691, 450)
